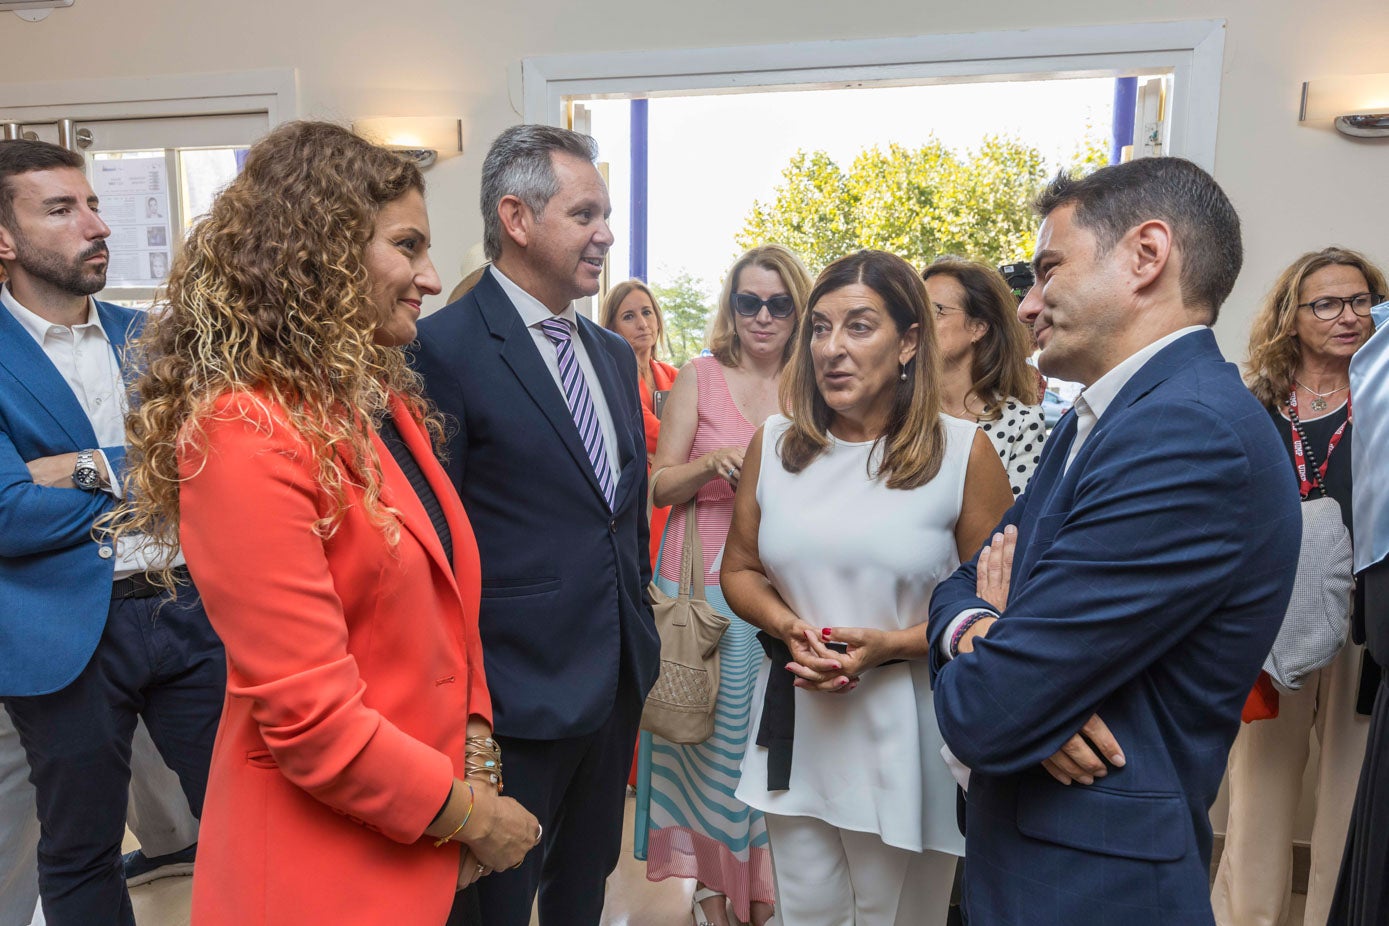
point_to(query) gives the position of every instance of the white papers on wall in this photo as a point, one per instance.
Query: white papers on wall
(134, 192)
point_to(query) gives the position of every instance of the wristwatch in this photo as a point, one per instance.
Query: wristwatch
(85, 474)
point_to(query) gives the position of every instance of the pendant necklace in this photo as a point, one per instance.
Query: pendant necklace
(1318, 403)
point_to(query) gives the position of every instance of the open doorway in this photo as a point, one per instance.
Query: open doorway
(1036, 83)
(921, 171)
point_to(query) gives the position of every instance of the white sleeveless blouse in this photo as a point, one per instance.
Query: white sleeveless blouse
(843, 550)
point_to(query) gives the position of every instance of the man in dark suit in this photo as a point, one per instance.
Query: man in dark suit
(87, 642)
(1155, 551)
(549, 456)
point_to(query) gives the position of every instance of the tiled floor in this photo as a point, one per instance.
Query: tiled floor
(631, 901)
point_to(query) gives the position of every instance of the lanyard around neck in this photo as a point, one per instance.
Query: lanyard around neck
(1302, 451)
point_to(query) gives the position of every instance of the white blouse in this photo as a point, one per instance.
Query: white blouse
(842, 549)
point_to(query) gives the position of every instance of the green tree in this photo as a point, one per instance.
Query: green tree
(916, 202)
(1091, 153)
(813, 212)
(685, 308)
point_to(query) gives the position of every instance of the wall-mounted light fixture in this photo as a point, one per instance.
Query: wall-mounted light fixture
(422, 138)
(1356, 105)
(32, 10)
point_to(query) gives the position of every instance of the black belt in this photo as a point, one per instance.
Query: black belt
(140, 585)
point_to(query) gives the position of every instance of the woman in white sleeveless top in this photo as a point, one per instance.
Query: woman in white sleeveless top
(848, 514)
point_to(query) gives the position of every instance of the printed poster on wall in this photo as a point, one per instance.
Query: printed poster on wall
(135, 204)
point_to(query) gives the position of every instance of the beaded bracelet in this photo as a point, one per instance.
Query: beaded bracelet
(472, 798)
(965, 624)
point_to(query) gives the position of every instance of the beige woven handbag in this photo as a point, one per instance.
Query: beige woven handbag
(680, 707)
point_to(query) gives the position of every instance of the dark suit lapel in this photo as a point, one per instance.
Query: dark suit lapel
(610, 377)
(31, 368)
(1162, 366)
(1044, 492)
(1054, 484)
(519, 352)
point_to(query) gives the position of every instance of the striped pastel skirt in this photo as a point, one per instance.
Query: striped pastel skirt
(688, 823)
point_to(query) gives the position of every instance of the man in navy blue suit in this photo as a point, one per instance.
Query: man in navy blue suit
(87, 643)
(549, 456)
(1154, 556)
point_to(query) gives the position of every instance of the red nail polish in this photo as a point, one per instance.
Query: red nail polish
(824, 631)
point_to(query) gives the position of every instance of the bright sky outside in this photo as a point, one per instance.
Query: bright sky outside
(712, 156)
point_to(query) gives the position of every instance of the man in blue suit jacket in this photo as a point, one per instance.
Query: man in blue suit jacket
(1155, 552)
(86, 642)
(549, 457)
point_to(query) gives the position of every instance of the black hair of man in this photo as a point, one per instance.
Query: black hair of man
(22, 156)
(1205, 227)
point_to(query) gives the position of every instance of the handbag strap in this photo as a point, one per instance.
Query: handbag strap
(691, 553)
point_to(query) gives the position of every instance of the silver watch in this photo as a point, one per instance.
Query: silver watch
(84, 474)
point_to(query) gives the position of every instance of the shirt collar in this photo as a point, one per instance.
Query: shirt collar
(38, 327)
(1103, 391)
(531, 309)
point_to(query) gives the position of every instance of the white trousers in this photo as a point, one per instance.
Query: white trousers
(826, 876)
(1253, 885)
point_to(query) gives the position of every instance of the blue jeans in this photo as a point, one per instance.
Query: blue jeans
(158, 659)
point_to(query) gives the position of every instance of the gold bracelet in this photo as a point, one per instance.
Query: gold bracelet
(482, 760)
(472, 798)
(488, 772)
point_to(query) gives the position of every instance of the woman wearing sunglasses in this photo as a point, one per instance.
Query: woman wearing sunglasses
(688, 824)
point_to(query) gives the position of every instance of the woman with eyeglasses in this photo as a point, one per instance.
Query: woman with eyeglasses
(984, 373)
(688, 823)
(1311, 324)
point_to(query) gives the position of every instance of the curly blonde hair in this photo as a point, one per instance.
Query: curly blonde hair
(1274, 349)
(270, 295)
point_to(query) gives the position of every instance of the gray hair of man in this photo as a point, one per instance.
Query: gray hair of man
(519, 164)
(1205, 226)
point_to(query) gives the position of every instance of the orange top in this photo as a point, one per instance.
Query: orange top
(664, 374)
(352, 669)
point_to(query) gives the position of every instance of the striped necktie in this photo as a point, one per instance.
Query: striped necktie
(580, 402)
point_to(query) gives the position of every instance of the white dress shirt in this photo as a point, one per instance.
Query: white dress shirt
(532, 313)
(1090, 405)
(84, 357)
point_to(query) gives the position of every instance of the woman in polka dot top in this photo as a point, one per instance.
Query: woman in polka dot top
(985, 376)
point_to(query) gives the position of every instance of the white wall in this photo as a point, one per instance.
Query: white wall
(1296, 187)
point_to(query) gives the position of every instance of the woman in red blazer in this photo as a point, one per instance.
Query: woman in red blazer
(282, 440)
(632, 311)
